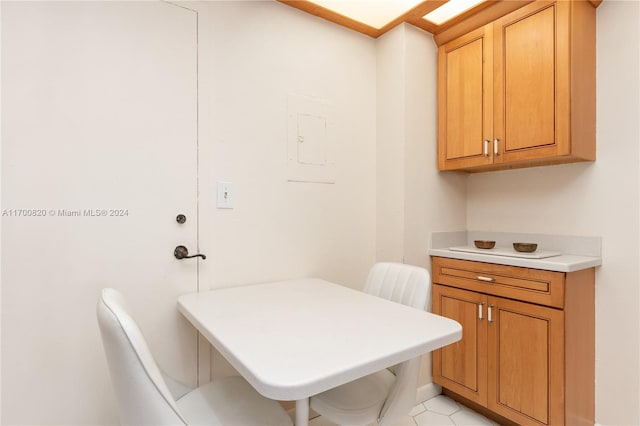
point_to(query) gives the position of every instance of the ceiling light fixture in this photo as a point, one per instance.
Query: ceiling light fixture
(449, 10)
(375, 13)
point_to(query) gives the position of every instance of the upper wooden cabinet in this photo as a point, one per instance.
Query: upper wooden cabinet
(519, 91)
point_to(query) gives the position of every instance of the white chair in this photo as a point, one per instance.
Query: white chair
(146, 396)
(388, 395)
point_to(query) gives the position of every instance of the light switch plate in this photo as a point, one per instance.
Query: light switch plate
(225, 195)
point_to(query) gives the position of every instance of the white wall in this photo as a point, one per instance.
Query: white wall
(433, 201)
(390, 200)
(413, 199)
(597, 199)
(261, 52)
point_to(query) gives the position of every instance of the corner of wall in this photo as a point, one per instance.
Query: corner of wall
(390, 136)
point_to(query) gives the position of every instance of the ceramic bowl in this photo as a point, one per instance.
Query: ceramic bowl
(525, 247)
(484, 244)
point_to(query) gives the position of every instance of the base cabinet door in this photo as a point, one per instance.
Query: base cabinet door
(525, 362)
(462, 366)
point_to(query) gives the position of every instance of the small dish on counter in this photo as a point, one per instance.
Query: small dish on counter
(482, 244)
(525, 247)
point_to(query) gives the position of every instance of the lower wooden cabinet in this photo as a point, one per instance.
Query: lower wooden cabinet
(527, 362)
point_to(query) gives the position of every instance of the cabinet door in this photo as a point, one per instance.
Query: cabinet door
(531, 81)
(525, 362)
(465, 101)
(461, 366)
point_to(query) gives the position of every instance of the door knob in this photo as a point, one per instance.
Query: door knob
(181, 252)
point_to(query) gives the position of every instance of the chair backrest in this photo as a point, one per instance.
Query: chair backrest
(143, 396)
(408, 285)
(405, 284)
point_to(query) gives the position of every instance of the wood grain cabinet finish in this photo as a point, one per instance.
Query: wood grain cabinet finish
(519, 91)
(526, 358)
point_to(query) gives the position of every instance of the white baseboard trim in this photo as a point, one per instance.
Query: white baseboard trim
(427, 392)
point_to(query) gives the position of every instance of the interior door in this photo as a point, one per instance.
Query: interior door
(99, 156)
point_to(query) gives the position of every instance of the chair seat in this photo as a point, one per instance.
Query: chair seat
(356, 403)
(230, 402)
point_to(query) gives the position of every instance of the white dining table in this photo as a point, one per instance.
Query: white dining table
(294, 339)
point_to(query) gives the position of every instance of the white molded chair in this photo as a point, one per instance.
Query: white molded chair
(146, 396)
(388, 395)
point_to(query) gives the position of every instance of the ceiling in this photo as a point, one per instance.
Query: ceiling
(412, 13)
(398, 12)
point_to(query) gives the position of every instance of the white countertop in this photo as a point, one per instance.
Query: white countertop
(562, 263)
(569, 253)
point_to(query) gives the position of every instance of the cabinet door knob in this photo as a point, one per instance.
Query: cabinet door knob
(496, 152)
(486, 147)
(480, 315)
(485, 279)
(489, 313)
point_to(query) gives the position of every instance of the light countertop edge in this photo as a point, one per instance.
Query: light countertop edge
(562, 263)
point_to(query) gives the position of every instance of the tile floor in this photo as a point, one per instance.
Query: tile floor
(437, 411)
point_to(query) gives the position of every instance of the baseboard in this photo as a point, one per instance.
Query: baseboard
(427, 391)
